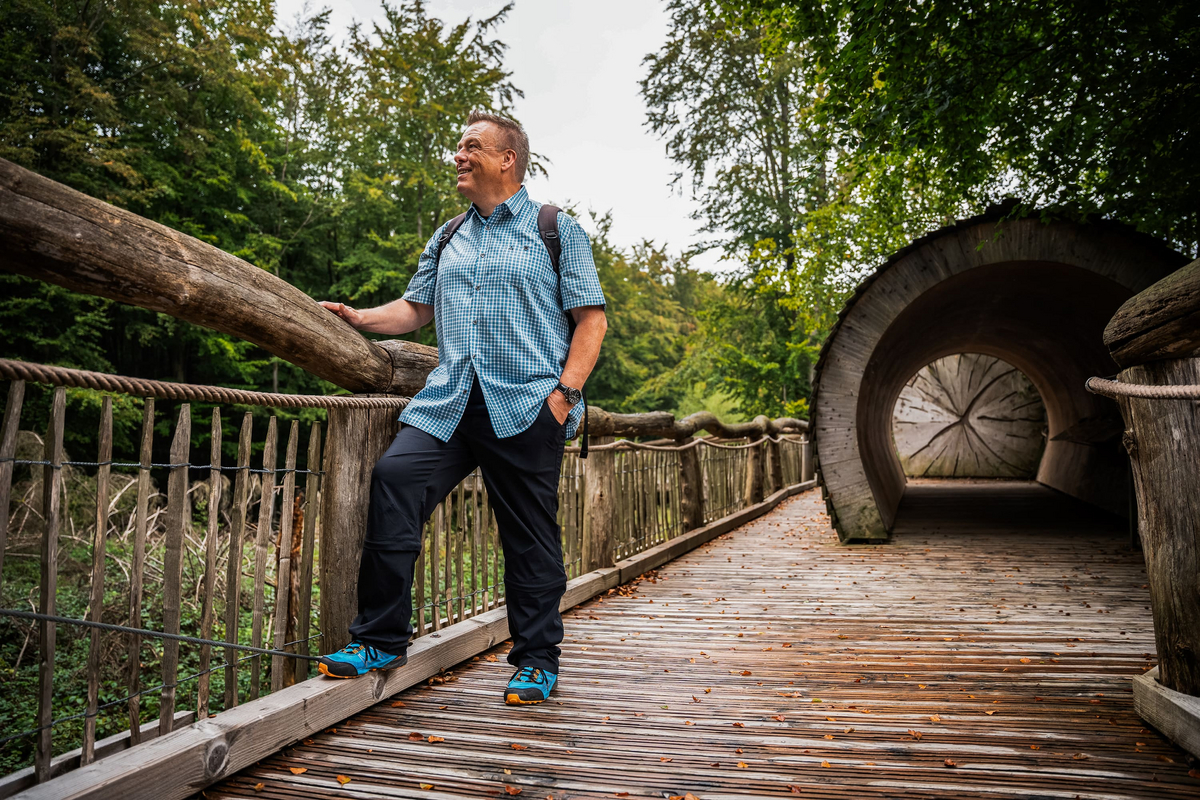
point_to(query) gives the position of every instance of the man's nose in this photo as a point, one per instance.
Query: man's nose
(460, 158)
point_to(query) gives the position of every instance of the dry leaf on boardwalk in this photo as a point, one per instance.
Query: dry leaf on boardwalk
(415, 737)
(513, 790)
(779, 717)
(516, 746)
(298, 770)
(739, 724)
(434, 739)
(398, 704)
(914, 734)
(343, 779)
(258, 787)
(665, 760)
(825, 764)
(950, 763)
(426, 785)
(742, 765)
(935, 718)
(793, 788)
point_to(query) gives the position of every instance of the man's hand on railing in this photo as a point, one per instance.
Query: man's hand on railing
(350, 315)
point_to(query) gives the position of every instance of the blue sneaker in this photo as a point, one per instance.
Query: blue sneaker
(357, 659)
(529, 685)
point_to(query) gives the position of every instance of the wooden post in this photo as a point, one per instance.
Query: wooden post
(138, 560)
(262, 538)
(287, 543)
(96, 603)
(1163, 440)
(210, 560)
(806, 463)
(356, 439)
(51, 511)
(691, 486)
(8, 449)
(753, 492)
(233, 566)
(775, 464)
(312, 493)
(177, 520)
(598, 506)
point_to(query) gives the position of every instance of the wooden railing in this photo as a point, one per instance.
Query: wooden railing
(253, 539)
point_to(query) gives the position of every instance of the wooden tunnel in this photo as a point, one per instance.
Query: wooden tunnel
(1035, 295)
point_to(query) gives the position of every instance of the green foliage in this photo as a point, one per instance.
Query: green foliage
(1085, 107)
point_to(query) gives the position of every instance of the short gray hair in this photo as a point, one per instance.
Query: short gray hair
(512, 137)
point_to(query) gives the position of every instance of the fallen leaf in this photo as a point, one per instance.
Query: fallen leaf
(513, 790)
(1084, 757)
(1167, 759)
(1194, 773)
(666, 760)
(434, 739)
(779, 718)
(426, 785)
(508, 772)
(825, 764)
(516, 746)
(829, 736)
(989, 713)
(915, 734)
(415, 737)
(935, 718)
(343, 779)
(1024, 660)
(398, 704)
(258, 787)
(747, 672)
(793, 788)
(1035, 747)
(708, 691)
(920, 686)
(491, 658)
(689, 796)
(950, 763)
(298, 770)
(739, 725)
(848, 730)
(742, 765)
(622, 794)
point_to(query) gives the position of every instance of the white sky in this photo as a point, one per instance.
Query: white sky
(578, 63)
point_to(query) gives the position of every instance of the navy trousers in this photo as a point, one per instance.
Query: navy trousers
(521, 475)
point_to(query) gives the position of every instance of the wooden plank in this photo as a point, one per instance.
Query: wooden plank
(137, 568)
(96, 601)
(1175, 714)
(753, 488)
(22, 779)
(177, 520)
(262, 540)
(52, 491)
(8, 451)
(233, 566)
(283, 570)
(312, 503)
(208, 601)
(1160, 322)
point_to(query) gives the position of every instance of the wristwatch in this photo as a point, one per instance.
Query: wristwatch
(573, 395)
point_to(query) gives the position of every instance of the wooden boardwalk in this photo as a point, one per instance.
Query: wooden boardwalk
(957, 662)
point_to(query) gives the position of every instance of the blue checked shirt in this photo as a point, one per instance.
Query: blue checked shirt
(498, 307)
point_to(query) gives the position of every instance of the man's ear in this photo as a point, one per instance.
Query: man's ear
(509, 161)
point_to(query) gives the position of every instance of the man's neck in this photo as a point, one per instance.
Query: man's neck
(486, 205)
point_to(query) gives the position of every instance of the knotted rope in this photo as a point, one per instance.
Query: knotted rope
(141, 387)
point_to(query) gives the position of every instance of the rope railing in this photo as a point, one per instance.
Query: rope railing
(142, 387)
(1112, 388)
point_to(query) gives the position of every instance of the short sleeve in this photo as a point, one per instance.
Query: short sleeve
(580, 282)
(421, 287)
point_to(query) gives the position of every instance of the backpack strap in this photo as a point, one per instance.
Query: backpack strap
(452, 226)
(548, 231)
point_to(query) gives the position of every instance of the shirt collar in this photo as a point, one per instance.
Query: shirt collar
(513, 205)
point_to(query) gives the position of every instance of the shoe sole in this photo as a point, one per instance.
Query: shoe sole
(515, 700)
(400, 662)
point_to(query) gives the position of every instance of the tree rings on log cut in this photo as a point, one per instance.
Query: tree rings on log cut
(969, 416)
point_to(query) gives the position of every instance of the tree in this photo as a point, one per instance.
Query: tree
(1081, 106)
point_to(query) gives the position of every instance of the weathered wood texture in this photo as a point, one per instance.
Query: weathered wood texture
(178, 519)
(8, 450)
(52, 490)
(599, 507)
(1034, 294)
(62, 236)
(356, 440)
(663, 424)
(1161, 322)
(825, 689)
(969, 416)
(1175, 714)
(179, 765)
(1163, 441)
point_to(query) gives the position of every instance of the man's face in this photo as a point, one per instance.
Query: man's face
(479, 160)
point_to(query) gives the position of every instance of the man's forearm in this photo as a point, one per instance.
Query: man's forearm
(396, 317)
(590, 325)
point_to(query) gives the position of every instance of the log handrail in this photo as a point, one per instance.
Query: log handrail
(1159, 323)
(56, 234)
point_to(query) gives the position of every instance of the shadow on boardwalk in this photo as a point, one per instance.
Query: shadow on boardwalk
(959, 661)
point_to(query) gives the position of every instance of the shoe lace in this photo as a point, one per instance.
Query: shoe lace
(529, 674)
(356, 647)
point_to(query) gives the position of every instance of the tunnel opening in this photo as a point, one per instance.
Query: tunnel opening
(1026, 295)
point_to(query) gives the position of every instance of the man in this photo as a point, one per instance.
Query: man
(504, 397)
